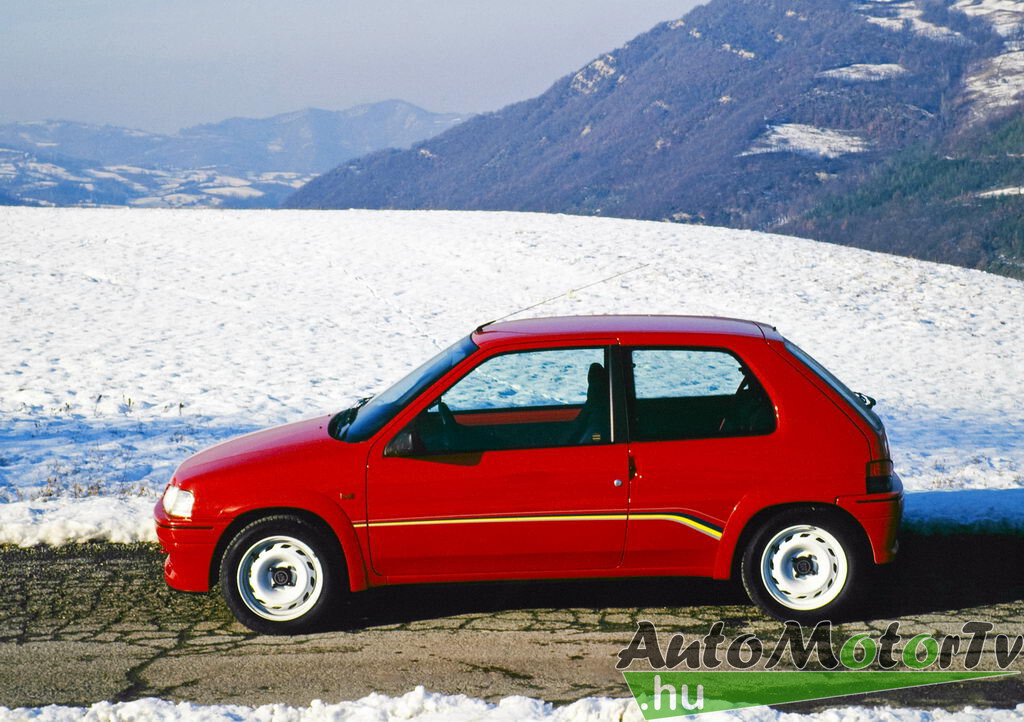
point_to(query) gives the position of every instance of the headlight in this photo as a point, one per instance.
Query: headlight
(178, 502)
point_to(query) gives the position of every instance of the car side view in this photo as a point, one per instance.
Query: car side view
(574, 447)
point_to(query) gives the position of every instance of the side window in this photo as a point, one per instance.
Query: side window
(526, 379)
(521, 400)
(694, 394)
(670, 373)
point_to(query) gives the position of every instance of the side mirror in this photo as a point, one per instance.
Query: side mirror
(403, 445)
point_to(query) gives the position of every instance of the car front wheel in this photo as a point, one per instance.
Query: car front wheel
(279, 575)
(804, 565)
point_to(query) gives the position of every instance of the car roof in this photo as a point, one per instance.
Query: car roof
(568, 327)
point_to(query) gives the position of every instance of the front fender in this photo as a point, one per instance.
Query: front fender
(321, 506)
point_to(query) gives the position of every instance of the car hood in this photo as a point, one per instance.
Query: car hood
(260, 446)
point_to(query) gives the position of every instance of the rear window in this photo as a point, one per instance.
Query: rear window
(858, 404)
(695, 393)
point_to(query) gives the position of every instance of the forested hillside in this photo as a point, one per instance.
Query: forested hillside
(962, 204)
(745, 113)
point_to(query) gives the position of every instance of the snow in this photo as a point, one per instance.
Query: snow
(745, 54)
(134, 338)
(234, 191)
(53, 171)
(808, 140)
(1000, 192)
(1006, 16)
(864, 72)
(899, 13)
(227, 180)
(589, 79)
(994, 85)
(134, 170)
(425, 706)
(116, 177)
(294, 180)
(170, 200)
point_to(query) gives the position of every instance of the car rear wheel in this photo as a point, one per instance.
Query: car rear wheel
(804, 565)
(280, 575)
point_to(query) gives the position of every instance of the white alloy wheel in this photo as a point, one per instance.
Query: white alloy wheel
(804, 567)
(280, 578)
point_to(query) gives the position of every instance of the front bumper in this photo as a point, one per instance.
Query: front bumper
(189, 546)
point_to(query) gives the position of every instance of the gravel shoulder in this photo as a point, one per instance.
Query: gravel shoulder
(89, 622)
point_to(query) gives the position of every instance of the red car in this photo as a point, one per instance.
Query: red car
(604, 446)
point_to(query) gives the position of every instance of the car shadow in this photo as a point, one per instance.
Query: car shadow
(936, 573)
(932, 574)
(406, 604)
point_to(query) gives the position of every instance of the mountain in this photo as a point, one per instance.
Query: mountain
(308, 141)
(240, 162)
(744, 113)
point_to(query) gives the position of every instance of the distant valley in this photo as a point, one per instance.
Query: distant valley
(237, 163)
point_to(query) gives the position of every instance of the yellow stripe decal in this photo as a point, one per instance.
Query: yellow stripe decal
(703, 528)
(686, 521)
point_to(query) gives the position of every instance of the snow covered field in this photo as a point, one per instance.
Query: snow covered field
(132, 338)
(423, 706)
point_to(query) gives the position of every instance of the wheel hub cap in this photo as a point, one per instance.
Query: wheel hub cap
(280, 578)
(804, 567)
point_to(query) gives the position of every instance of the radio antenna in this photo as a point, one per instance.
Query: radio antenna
(566, 293)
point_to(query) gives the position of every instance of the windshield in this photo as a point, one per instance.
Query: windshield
(838, 386)
(375, 413)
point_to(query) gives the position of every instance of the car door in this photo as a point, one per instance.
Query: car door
(512, 469)
(700, 427)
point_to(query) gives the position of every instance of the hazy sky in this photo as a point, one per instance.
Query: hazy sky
(164, 64)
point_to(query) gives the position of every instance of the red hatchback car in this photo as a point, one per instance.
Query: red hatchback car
(604, 446)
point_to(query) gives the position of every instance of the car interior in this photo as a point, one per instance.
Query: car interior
(747, 411)
(439, 430)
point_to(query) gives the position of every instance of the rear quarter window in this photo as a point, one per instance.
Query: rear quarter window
(855, 402)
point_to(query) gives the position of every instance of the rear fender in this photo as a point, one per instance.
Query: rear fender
(737, 526)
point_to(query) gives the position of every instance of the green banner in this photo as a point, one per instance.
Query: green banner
(674, 694)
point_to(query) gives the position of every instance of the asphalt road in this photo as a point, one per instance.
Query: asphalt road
(84, 623)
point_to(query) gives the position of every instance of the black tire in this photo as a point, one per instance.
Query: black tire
(294, 575)
(815, 571)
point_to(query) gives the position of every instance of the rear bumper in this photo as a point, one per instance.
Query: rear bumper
(189, 547)
(880, 515)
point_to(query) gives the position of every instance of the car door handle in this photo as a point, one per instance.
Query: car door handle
(617, 482)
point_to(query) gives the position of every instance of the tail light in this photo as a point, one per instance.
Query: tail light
(880, 476)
